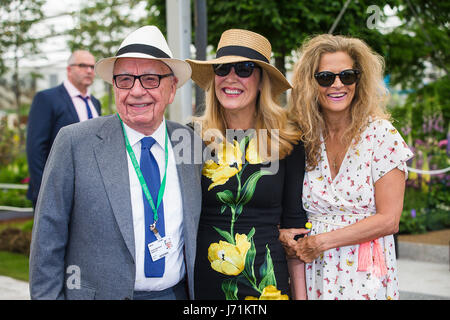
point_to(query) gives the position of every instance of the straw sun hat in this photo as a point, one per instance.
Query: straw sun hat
(146, 43)
(237, 45)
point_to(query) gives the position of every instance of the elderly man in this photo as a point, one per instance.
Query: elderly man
(118, 211)
(54, 108)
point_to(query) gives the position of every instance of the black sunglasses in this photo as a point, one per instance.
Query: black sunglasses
(347, 77)
(242, 69)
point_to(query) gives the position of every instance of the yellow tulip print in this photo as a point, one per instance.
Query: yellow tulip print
(219, 174)
(227, 258)
(270, 293)
(235, 255)
(230, 163)
(252, 155)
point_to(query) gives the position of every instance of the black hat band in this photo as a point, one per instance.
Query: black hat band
(143, 48)
(240, 51)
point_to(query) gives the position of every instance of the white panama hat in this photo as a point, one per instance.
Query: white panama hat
(146, 43)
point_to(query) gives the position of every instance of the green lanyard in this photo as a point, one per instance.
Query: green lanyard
(141, 177)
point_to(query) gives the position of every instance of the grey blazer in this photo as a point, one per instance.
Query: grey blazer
(83, 240)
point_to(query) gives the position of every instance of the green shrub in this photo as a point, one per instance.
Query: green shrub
(15, 240)
(10, 146)
(424, 211)
(27, 226)
(15, 173)
(14, 198)
(412, 222)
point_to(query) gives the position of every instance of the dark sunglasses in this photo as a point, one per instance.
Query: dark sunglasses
(347, 77)
(242, 69)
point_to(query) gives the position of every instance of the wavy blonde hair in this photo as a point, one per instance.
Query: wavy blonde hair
(369, 101)
(269, 115)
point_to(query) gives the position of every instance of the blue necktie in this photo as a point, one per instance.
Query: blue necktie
(89, 113)
(150, 171)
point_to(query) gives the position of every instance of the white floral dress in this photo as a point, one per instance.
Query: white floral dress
(334, 204)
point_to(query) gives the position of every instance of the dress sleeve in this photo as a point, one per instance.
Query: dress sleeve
(293, 214)
(389, 150)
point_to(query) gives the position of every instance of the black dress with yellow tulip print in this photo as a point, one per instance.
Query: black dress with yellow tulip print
(238, 254)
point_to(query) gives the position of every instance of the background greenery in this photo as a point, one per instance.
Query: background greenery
(415, 50)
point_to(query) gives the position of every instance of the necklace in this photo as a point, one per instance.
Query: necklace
(334, 159)
(335, 162)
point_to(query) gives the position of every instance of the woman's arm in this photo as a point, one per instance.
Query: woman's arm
(293, 218)
(389, 193)
(298, 283)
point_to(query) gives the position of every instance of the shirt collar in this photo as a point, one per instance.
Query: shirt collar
(72, 90)
(135, 136)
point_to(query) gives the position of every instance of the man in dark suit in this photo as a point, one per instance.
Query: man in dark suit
(55, 108)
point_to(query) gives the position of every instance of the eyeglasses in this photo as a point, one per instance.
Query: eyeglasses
(148, 81)
(83, 65)
(242, 69)
(347, 77)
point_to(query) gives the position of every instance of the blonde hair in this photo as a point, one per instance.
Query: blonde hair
(269, 116)
(369, 101)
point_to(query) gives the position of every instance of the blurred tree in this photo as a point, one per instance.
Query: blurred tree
(421, 41)
(287, 23)
(157, 14)
(421, 37)
(17, 37)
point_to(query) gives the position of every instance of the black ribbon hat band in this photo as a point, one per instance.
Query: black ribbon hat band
(143, 48)
(241, 51)
(224, 51)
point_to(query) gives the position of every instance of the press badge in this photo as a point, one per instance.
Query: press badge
(160, 248)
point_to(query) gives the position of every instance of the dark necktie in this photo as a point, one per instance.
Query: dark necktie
(89, 113)
(150, 171)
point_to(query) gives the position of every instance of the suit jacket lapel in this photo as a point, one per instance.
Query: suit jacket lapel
(96, 105)
(191, 199)
(182, 174)
(111, 157)
(69, 103)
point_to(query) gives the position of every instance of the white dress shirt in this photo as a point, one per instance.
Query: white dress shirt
(80, 106)
(173, 213)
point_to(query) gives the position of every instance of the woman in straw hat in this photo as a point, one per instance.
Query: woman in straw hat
(252, 187)
(355, 170)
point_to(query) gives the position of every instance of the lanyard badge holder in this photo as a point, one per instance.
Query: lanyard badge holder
(161, 247)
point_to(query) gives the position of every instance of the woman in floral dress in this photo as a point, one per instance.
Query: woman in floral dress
(355, 175)
(252, 186)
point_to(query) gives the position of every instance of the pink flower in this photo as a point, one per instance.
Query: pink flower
(443, 143)
(25, 180)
